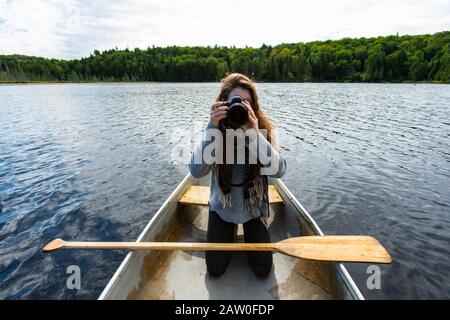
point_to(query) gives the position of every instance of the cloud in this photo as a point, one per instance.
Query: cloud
(74, 28)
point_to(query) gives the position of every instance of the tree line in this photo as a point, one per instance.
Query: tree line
(381, 59)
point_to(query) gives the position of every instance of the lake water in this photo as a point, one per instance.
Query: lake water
(91, 162)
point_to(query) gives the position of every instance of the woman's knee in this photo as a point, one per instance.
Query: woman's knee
(261, 263)
(217, 262)
(262, 272)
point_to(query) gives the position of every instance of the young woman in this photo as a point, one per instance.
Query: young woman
(239, 192)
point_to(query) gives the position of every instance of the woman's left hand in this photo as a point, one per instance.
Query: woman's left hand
(252, 122)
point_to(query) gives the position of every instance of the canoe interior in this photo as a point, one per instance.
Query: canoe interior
(183, 275)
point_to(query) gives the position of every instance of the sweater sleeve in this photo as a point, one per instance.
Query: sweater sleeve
(273, 163)
(197, 166)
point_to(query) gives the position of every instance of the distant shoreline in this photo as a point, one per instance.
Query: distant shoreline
(386, 59)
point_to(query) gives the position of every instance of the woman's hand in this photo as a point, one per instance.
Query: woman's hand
(218, 113)
(252, 122)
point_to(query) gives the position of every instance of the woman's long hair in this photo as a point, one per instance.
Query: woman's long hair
(237, 80)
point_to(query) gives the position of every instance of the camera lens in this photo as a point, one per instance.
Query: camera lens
(237, 115)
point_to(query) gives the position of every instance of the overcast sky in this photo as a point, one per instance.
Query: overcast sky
(74, 28)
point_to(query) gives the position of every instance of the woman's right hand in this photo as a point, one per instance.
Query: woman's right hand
(218, 113)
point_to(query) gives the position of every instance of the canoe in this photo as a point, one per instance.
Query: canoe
(182, 274)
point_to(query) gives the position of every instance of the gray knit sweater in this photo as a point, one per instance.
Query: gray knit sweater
(236, 213)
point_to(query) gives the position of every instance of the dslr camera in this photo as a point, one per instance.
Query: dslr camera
(237, 113)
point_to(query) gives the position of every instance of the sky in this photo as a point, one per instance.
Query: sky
(75, 28)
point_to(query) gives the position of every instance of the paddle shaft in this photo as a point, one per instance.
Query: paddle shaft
(186, 246)
(323, 248)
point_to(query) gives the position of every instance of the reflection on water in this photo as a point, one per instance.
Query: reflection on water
(92, 162)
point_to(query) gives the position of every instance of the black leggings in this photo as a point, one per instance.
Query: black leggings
(223, 231)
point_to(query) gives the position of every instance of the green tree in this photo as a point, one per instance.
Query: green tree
(374, 71)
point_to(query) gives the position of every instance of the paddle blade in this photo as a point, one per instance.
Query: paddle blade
(54, 245)
(336, 248)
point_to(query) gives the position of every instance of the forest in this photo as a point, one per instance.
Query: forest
(406, 58)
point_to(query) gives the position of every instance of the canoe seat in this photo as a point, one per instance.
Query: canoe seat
(199, 195)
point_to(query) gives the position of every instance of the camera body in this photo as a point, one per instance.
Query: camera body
(237, 113)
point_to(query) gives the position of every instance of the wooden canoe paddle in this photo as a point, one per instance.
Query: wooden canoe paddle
(321, 248)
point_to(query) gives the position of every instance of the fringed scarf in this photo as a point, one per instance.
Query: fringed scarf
(255, 185)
